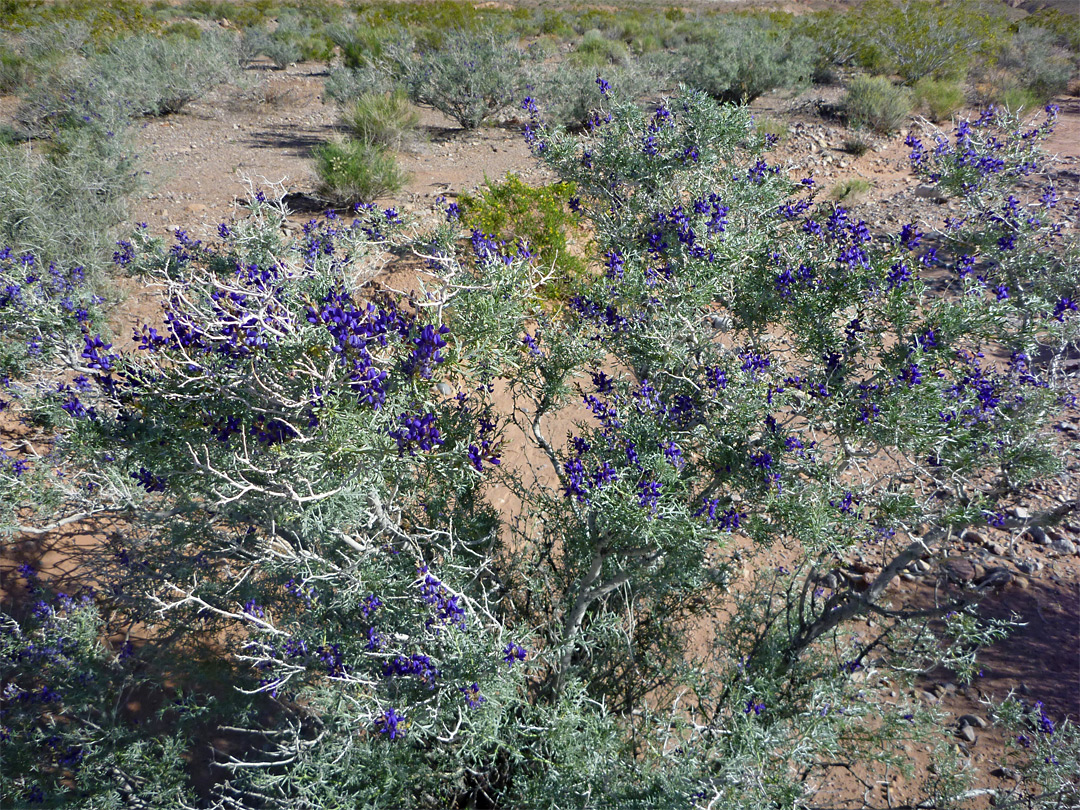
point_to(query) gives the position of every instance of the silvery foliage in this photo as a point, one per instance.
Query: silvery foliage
(757, 387)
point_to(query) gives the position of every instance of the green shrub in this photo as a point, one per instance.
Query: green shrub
(597, 51)
(849, 190)
(875, 102)
(1019, 100)
(256, 42)
(13, 70)
(471, 78)
(739, 58)
(836, 38)
(385, 119)
(939, 99)
(355, 171)
(917, 38)
(362, 46)
(183, 28)
(512, 211)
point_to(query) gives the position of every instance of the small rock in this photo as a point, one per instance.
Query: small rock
(1026, 567)
(931, 193)
(972, 720)
(959, 570)
(1037, 535)
(1063, 545)
(966, 733)
(1021, 583)
(996, 549)
(996, 577)
(1020, 512)
(974, 538)
(1005, 773)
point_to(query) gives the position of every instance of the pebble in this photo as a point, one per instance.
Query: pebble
(966, 733)
(1027, 567)
(996, 549)
(1020, 512)
(1021, 583)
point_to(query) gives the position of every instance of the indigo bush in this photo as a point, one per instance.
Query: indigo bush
(304, 464)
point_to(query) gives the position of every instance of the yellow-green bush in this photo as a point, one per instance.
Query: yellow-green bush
(541, 217)
(940, 100)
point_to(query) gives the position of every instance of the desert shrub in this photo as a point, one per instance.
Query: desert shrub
(877, 103)
(183, 28)
(134, 76)
(1034, 62)
(256, 42)
(387, 119)
(14, 71)
(856, 145)
(738, 58)
(357, 171)
(364, 46)
(940, 99)
(538, 218)
(774, 128)
(62, 201)
(346, 85)
(1060, 24)
(597, 51)
(917, 38)
(302, 464)
(849, 190)
(835, 35)
(567, 95)
(307, 35)
(471, 78)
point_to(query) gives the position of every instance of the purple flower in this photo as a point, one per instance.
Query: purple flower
(391, 724)
(473, 698)
(513, 652)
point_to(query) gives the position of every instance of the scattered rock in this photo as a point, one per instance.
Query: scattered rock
(1021, 583)
(1063, 545)
(1020, 512)
(1037, 535)
(1027, 567)
(996, 577)
(996, 549)
(974, 538)
(931, 193)
(972, 720)
(966, 733)
(959, 570)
